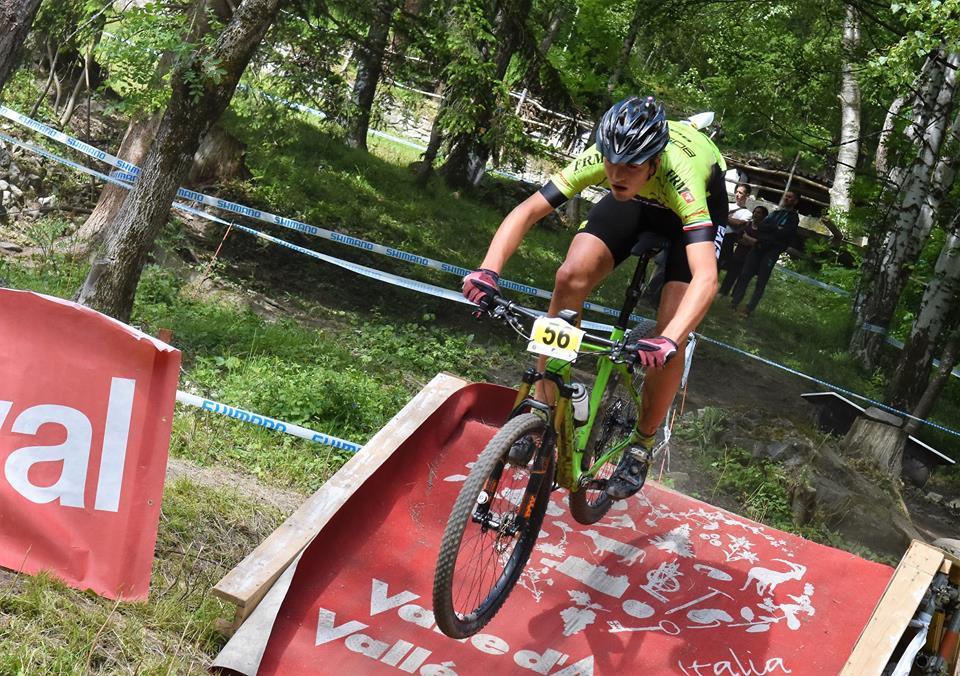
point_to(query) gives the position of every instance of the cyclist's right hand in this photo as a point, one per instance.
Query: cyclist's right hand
(480, 285)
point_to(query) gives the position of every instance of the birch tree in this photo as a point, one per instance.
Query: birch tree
(201, 90)
(912, 219)
(939, 310)
(849, 149)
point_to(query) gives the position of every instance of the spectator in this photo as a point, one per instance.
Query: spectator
(745, 243)
(774, 235)
(738, 217)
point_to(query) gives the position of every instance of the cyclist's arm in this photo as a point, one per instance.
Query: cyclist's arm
(512, 230)
(702, 259)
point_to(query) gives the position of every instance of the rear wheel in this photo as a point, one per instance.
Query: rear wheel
(487, 542)
(616, 419)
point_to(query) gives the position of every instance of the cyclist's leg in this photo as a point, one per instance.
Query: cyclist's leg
(603, 242)
(661, 385)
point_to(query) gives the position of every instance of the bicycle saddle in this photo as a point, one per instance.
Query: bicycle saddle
(649, 243)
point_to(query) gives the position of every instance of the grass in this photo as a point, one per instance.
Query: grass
(203, 533)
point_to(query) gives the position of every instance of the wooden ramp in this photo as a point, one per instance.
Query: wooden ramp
(664, 584)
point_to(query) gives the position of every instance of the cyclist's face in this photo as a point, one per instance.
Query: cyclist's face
(626, 180)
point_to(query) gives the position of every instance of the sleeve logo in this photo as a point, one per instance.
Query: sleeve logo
(687, 196)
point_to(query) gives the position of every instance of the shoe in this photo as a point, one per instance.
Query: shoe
(631, 472)
(744, 313)
(521, 452)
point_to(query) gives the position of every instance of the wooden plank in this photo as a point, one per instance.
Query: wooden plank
(892, 615)
(250, 580)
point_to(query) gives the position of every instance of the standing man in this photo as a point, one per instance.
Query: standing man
(738, 218)
(774, 235)
(663, 176)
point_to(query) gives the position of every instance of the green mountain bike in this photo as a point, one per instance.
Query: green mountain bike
(496, 518)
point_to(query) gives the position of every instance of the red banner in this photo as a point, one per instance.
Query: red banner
(664, 584)
(86, 405)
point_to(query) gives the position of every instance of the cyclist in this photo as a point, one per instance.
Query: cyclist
(663, 176)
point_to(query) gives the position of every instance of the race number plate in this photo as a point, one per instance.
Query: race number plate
(553, 337)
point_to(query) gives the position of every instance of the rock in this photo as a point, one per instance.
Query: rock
(790, 453)
(954, 504)
(916, 472)
(6, 197)
(34, 181)
(948, 545)
(13, 173)
(935, 498)
(15, 191)
(10, 246)
(857, 508)
(50, 201)
(4, 186)
(4, 158)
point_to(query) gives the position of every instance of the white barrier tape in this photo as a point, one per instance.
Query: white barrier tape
(811, 280)
(440, 292)
(130, 172)
(266, 422)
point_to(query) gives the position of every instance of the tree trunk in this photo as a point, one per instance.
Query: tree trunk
(948, 359)
(908, 230)
(425, 167)
(16, 16)
(199, 96)
(640, 12)
(849, 116)
(369, 69)
(468, 151)
(883, 143)
(940, 300)
(136, 142)
(141, 130)
(878, 435)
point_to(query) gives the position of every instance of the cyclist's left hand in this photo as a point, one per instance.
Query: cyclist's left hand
(654, 352)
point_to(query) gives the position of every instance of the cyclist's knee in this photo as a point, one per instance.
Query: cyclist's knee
(573, 278)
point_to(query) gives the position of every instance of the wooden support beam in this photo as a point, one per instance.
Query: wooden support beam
(251, 579)
(892, 615)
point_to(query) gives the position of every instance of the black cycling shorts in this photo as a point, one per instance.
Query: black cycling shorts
(619, 225)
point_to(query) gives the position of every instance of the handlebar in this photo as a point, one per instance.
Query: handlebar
(500, 308)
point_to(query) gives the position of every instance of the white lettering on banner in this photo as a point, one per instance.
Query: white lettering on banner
(114, 456)
(379, 601)
(74, 451)
(326, 631)
(541, 664)
(737, 667)
(407, 657)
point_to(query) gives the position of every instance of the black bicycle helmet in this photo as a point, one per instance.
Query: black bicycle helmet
(633, 131)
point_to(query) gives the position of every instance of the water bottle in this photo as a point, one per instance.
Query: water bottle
(580, 401)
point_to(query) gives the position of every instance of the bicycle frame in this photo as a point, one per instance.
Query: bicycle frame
(571, 441)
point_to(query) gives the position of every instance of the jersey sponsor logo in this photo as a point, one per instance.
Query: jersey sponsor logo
(718, 240)
(682, 146)
(687, 196)
(588, 161)
(673, 178)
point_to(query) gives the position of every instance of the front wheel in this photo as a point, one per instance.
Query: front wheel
(487, 540)
(616, 420)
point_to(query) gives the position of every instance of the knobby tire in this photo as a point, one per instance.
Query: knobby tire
(447, 591)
